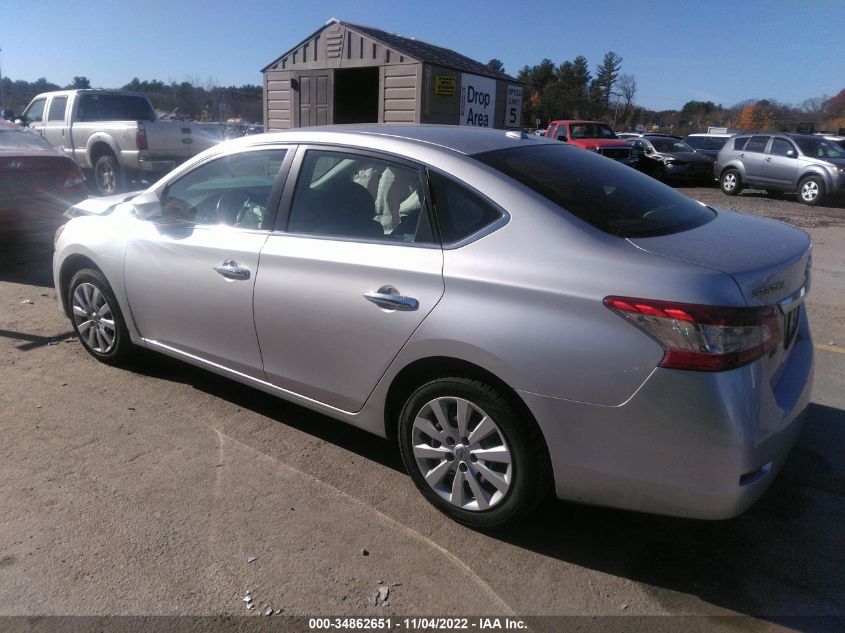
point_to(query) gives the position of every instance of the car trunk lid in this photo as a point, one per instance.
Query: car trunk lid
(768, 260)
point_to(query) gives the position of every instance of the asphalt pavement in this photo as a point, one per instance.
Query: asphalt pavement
(147, 491)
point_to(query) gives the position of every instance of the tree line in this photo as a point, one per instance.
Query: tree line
(563, 91)
(185, 100)
(571, 90)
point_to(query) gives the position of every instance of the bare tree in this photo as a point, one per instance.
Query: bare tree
(628, 89)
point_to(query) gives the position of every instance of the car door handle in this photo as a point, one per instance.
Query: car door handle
(390, 301)
(768, 160)
(230, 269)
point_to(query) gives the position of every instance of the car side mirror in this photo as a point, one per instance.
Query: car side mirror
(648, 150)
(791, 153)
(147, 206)
(21, 120)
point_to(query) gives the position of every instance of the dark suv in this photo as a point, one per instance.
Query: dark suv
(810, 166)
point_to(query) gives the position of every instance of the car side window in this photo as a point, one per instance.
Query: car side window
(232, 190)
(358, 196)
(57, 109)
(780, 147)
(460, 212)
(35, 112)
(740, 143)
(757, 144)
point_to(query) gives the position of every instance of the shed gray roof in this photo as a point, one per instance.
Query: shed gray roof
(421, 51)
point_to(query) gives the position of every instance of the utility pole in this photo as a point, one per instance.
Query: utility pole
(2, 92)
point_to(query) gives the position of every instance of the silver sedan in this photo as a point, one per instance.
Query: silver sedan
(520, 316)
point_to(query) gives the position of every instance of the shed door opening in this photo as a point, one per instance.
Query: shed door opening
(356, 95)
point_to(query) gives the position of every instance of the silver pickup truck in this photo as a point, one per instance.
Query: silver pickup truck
(115, 135)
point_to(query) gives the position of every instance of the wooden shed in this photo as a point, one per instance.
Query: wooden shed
(348, 73)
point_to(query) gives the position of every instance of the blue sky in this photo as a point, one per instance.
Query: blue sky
(682, 50)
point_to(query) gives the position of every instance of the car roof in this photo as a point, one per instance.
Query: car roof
(462, 139)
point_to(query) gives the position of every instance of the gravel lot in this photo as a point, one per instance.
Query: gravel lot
(143, 491)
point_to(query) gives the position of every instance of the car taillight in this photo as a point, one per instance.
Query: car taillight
(701, 337)
(141, 138)
(73, 177)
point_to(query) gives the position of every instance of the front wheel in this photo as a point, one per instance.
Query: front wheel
(96, 317)
(108, 175)
(731, 182)
(811, 190)
(472, 453)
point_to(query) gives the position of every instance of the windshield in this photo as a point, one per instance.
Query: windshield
(612, 197)
(819, 148)
(590, 130)
(19, 139)
(668, 145)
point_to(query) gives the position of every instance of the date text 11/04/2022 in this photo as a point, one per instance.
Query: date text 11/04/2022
(416, 624)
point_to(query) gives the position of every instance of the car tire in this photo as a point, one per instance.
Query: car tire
(811, 190)
(730, 182)
(108, 175)
(97, 319)
(487, 482)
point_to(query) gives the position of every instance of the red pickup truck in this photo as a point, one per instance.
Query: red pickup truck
(593, 136)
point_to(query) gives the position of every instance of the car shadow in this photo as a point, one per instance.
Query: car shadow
(781, 559)
(365, 444)
(27, 255)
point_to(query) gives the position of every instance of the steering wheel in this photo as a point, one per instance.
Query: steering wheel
(229, 205)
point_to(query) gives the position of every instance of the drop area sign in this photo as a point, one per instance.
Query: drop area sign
(478, 100)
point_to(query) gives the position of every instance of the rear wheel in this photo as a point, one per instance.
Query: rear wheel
(731, 182)
(96, 317)
(108, 175)
(811, 190)
(472, 454)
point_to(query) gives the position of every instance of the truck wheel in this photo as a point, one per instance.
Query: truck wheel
(108, 175)
(811, 190)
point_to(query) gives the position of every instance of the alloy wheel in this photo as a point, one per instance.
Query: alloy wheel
(93, 317)
(809, 191)
(462, 453)
(729, 182)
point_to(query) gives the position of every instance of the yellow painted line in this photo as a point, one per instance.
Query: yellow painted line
(830, 348)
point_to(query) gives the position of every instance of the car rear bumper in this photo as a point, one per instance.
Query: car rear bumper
(690, 444)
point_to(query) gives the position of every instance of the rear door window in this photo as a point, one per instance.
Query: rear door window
(757, 144)
(357, 196)
(740, 143)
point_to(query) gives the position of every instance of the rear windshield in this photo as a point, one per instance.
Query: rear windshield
(611, 197)
(19, 139)
(108, 107)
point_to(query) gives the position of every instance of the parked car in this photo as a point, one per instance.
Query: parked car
(808, 165)
(459, 290)
(115, 135)
(35, 180)
(594, 136)
(668, 158)
(709, 144)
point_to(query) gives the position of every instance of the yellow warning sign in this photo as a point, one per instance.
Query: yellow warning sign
(444, 86)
